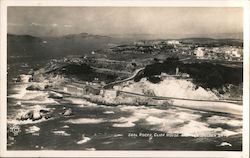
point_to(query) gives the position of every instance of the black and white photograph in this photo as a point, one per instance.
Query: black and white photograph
(124, 78)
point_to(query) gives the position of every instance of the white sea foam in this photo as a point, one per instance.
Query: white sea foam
(27, 96)
(24, 78)
(39, 107)
(66, 126)
(171, 88)
(227, 133)
(168, 124)
(137, 113)
(194, 128)
(126, 124)
(21, 91)
(90, 149)
(142, 109)
(108, 112)
(108, 142)
(45, 101)
(210, 106)
(24, 122)
(224, 120)
(55, 95)
(80, 101)
(32, 129)
(197, 129)
(37, 97)
(186, 115)
(85, 121)
(175, 121)
(118, 135)
(84, 140)
(179, 88)
(61, 133)
(36, 112)
(225, 144)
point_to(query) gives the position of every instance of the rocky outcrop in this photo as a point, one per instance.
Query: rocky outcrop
(38, 86)
(55, 95)
(35, 115)
(44, 113)
(24, 78)
(68, 112)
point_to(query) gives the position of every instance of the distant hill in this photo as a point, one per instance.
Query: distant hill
(210, 42)
(73, 44)
(179, 36)
(28, 38)
(84, 43)
(84, 35)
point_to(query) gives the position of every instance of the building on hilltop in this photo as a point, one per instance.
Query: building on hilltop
(109, 93)
(78, 89)
(173, 42)
(199, 53)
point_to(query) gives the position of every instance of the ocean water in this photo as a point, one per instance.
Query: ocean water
(101, 127)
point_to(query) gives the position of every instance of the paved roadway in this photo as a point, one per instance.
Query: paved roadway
(136, 72)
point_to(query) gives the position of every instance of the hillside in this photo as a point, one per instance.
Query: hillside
(210, 42)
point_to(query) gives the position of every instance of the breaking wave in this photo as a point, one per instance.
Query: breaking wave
(60, 133)
(21, 112)
(108, 112)
(80, 101)
(178, 88)
(224, 120)
(84, 140)
(34, 96)
(177, 121)
(32, 129)
(85, 121)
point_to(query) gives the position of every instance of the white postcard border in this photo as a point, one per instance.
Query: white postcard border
(158, 3)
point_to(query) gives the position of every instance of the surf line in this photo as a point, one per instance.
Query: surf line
(221, 106)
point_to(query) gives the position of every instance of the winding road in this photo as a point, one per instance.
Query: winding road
(136, 72)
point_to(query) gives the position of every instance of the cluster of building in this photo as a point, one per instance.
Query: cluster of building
(86, 88)
(225, 52)
(228, 53)
(178, 74)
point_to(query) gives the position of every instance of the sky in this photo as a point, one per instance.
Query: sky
(59, 21)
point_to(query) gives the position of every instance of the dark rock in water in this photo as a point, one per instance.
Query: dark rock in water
(27, 116)
(15, 80)
(68, 112)
(43, 111)
(55, 95)
(48, 116)
(46, 113)
(31, 72)
(38, 117)
(24, 78)
(36, 87)
(33, 115)
(30, 79)
(47, 86)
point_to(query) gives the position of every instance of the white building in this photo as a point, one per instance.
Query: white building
(199, 53)
(173, 42)
(109, 93)
(236, 53)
